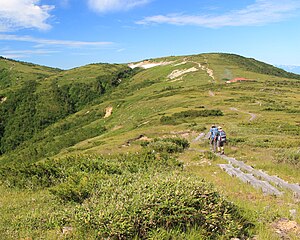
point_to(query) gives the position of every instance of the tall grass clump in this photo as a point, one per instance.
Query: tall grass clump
(290, 156)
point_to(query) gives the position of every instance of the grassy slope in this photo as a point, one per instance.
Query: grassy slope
(139, 104)
(15, 73)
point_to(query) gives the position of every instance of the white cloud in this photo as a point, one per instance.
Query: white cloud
(259, 13)
(9, 37)
(115, 5)
(25, 53)
(18, 14)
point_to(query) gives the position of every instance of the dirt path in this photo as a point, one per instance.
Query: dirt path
(253, 116)
(209, 71)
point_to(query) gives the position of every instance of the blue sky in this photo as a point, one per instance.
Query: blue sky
(72, 33)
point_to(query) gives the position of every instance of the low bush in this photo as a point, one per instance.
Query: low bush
(180, 117)
(168, 120)
(236, 140)
(167, 145)
(198, 113)
(164, 201)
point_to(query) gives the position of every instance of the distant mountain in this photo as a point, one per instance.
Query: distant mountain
(290, 68)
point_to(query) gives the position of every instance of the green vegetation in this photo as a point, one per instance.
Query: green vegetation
(29, 110)
(127, 196)
(180, 117)
(167, 145)
(70, 155)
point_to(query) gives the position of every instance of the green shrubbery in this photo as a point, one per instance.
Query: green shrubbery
(131, 195)
(179, 117)
(30, 109)
(198, 113)
(235, 140)
(125, 209)
(167, 145)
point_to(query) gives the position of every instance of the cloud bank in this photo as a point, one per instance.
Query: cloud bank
(17, 14)
(103, 6)
(259, 13)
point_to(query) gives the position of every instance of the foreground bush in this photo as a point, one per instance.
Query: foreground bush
(123, 209)
(132, 196)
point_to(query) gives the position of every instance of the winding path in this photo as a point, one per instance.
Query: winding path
(253, 115)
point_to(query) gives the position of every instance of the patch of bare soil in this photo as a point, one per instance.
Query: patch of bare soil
(117, 127)
(108, 112)
(184, 134)
(284, 227)
(211, 93)
(177, 73)
(148, 64)
(3, 99)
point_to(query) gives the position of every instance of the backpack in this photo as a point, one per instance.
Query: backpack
(222, 136)
(213, 132)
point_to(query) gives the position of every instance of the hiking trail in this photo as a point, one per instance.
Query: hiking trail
(270, 185)
(253, 115)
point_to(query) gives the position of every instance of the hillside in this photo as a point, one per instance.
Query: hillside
(68, 136)
(15, 73)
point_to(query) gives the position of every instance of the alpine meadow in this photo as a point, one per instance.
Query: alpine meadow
(121, 151)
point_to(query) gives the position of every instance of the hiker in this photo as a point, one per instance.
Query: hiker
(221, 140)
(212, 133)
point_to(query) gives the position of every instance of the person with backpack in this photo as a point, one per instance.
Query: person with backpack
(212, 140)
(221, 140)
